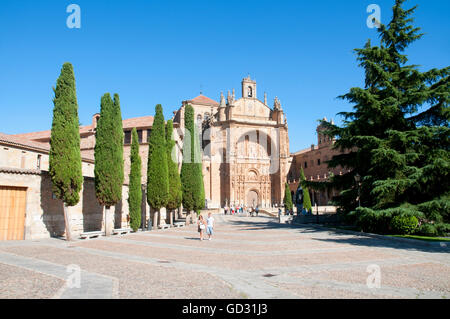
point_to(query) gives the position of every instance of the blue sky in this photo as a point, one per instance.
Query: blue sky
(164, 52)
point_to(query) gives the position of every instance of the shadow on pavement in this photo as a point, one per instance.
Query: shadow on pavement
(339, 236)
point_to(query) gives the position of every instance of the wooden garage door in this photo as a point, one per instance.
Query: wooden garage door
(12, 212)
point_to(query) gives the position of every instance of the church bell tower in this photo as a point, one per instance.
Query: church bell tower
(249, 88)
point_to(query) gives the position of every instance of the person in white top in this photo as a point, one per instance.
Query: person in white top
(210, 226)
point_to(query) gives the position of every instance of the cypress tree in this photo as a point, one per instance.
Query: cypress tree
(306, 198)
(65, 157)
(175, 195)
(199, 194)
(134, 188)
(396, 136)
(191, 170)
(108, 171)
(287, 198)
(157, 170)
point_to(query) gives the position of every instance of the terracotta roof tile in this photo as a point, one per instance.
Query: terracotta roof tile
(21, 141)
(138, 122)
(201, 99)
(143, 121)
(33, 145)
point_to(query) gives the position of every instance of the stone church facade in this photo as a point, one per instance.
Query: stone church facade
(245, 147)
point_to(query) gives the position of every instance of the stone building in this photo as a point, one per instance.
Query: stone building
(313, 160)
(246, 147)
(28, 208)
(246, 160)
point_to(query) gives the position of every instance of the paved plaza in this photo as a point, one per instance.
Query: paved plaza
(249, 257)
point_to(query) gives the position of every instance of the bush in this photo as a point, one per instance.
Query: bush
(427, 230)
(371, 221)
(443, 229)
(404, 225)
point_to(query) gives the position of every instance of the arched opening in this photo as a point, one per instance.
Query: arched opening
(252, 198)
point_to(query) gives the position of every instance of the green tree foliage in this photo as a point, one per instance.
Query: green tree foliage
(134, 188)
(175, 194)
(306, 198)
(287, 198)
(397, 136)
(157, 171)
(109, 174)
(65, 157)
(191, 170)
(404, 225)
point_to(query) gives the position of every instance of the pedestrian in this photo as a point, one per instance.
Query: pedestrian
(201, 226)
(210, 226)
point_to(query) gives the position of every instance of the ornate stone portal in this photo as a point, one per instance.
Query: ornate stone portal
(246, 148)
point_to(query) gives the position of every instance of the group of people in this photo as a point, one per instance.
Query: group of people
(239, 209)
(207, 225)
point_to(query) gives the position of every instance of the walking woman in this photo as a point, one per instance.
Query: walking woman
(201, 226)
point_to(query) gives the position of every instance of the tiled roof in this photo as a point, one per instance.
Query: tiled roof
(201, 99)
(143, 121)
(21, 141)
(138, 122)
(20, 171)
(42, 135)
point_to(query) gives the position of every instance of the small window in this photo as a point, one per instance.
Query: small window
(306, 164)
(127, 139)
(318, 161)
(250, 91)
(38, 166)
(139, 136)
(149, 132)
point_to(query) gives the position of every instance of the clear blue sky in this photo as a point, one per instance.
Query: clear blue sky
(163, 52)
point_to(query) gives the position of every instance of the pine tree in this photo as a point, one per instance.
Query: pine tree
(108, 171)
(65, 157)
(157, 170)
(396, 137)
(287, 198)
(306, 198)
(191, 169)
(134, 188)
(175, 194)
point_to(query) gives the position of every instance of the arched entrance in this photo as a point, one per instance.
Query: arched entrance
(252, 198)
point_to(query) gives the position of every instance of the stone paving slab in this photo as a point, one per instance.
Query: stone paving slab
(230, 261)
(94, 285)
(242, 245)
(135, 280)
(21, 283)
(248, 258)
(421, 276)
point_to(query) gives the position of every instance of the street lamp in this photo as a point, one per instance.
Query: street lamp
(358, 181)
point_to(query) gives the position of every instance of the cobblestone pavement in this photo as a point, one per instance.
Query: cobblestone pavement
(249, 257)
